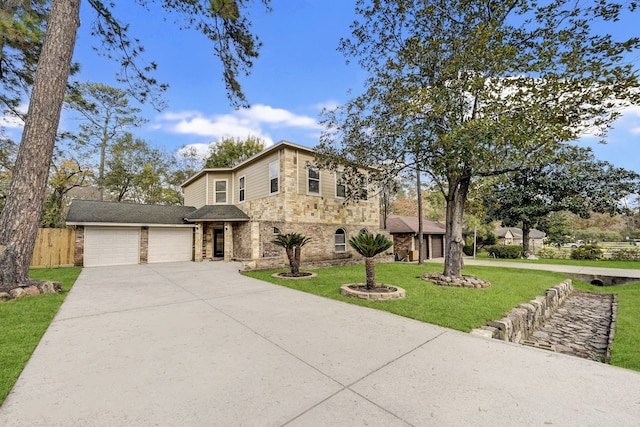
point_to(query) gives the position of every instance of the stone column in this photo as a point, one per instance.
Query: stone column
(255, 240)
(197, 242)
(228, 241)
(430, 246)
(144, 245)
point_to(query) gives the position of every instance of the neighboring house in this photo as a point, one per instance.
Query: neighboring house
(406, 240)
(513, 236)
(234, 214)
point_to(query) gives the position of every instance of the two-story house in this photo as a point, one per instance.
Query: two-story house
(232, 214)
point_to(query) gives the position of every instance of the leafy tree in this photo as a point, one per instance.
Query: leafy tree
(221, 21)
(292, 244)
(22, 25)
(138, 172)
(581, 185)
(65, 176)
(106, 114)
(477, 88)
(368, 245)
(557, 227)
(229, 152)
(8, 150)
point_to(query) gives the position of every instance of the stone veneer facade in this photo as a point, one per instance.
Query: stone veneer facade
(293, 210)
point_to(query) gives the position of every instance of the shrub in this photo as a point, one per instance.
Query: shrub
(468, 250)
(630, 254)
(547, 253)
(508, 251)
(591, 252)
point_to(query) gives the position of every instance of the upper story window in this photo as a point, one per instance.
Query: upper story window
(313, 180)
(340, 187)
(274, 175)
(340, 240)
(363, 191)
(220, 187)
(241, 189)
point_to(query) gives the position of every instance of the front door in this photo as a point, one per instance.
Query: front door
(218, 243)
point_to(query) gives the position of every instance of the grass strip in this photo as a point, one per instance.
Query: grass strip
(24, 322)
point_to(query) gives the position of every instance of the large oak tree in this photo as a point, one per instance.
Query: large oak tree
(476, 88)
(220, 20)
(579, 184)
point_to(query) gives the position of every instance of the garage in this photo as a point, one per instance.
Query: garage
(111, 246)
(168, 244)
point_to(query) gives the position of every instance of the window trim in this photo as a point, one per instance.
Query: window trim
(309, 192)
(216, 192)
(277, 177)
(336, 244)
(242, 189)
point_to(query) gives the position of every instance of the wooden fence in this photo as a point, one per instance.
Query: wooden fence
(54, 248)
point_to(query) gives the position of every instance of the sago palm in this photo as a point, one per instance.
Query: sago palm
(292, 242)
(368, 245)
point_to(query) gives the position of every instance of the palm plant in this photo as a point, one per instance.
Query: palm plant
(368, 245)
(292, 244)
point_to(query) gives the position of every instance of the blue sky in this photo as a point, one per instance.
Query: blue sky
(299, 71)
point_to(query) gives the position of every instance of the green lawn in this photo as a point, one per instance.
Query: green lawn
(466, 309)
(25, 321)
(634, 265)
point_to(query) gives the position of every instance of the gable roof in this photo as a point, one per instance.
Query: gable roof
(409, 224)
(265, 152)
(217, 213)
(82, 212)
(517, 232)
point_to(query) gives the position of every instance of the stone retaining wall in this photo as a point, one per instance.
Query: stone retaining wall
(523, 320)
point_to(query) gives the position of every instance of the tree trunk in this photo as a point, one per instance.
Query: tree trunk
(296, 259)
(292, 259)
(370, 269)
(456, 199)
(526, 229)
(420, 230)
(24, 205)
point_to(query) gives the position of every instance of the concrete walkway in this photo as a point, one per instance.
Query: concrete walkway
(197, 344)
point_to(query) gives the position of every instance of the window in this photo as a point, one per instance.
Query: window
(241, 189)
(362, 190)
(221, 191)
(274, 174)
(313, 174)
(340, 188)
(276, 231)
(341, 240)
(364, 231)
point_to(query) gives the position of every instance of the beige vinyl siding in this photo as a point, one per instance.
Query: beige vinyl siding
(305, 159)
(327, 179)
(215, 176)
(194, 192)
(256, 178)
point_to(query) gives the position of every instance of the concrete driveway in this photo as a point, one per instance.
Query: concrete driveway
(197, 344)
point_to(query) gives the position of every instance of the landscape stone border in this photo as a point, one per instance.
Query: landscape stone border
(310, 275)
(464, 281)
(399, 293)
(40, 288)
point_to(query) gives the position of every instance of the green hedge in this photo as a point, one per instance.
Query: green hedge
(591, 252)
(508, 251)
(630, 254)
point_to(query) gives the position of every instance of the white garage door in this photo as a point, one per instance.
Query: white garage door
(111, 246)
(170, 244)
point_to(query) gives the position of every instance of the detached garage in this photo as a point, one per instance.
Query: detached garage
(111, 233)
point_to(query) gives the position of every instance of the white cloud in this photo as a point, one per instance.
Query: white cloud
(10, 121)
(255, 121)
